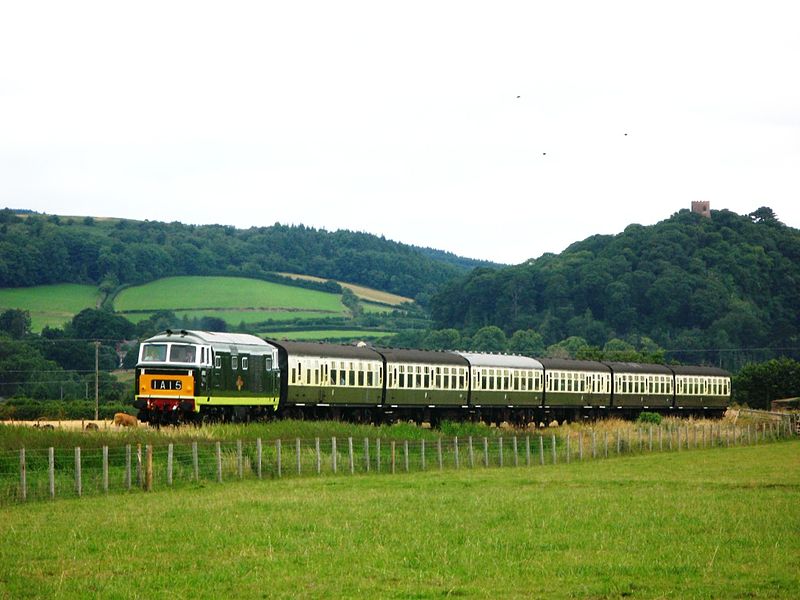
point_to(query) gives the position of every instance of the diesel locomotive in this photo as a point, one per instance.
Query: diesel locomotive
(196, 376)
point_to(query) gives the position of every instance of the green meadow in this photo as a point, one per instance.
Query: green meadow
(50, 305)
(717, 523)
(184, 293)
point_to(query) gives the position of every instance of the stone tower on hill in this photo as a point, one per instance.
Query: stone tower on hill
(702, 208)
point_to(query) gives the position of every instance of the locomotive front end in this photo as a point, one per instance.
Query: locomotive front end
(171, 372)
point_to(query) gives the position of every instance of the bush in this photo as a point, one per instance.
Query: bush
(649, 417)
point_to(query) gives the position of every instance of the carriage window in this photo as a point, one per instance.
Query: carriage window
(234, 363)
(361, 378)
(245, 362)
(333, 376)
(369, 378)
(351, 378)
(217, 362)
(268, 363)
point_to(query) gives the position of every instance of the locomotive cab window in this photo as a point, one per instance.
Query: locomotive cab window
(154, 353)
(182, 353)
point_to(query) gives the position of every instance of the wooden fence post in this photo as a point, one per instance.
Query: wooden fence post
(23, 475)
(378, 454)
(455, 451)
(78, 481)
(594, 443)
(278, 458)
(528, 450)
(541, 449)
(259, 457)
(128, 466)
(299, 459)
(486, 452)
(105, 469)
(139, 470)
(169, 465)
(334, 453)
(568, 450)
(500, 444)
(392, 458)
(605, 443)
(149, 469)
(439, 452)
(195, 462)
(580, 445)
(350, 454)
(240, 460)
(219, 462)
(471, 454)
(553, 442)
(405, 454)
(319, 456)
(422, 451)
(514, 446)
(366, 454)
(51, 470)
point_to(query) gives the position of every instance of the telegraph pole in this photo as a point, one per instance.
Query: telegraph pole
(96, 381)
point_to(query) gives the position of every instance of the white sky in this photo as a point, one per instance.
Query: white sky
(402, 119)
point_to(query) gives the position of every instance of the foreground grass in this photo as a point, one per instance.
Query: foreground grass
(710, 524)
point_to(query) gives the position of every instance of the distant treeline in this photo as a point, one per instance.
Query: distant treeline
(710, 290)
(39, 249)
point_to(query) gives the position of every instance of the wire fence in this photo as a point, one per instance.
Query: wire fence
(52, 473)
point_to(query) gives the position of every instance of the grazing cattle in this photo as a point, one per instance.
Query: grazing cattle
(125, 420)
(91, 427)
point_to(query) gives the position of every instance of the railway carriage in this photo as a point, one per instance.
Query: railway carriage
(436, 381)
(324, 379)
(576, 384)
(505, 387)
(701, 388)
(639, 386)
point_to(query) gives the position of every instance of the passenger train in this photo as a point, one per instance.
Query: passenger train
(196, 376)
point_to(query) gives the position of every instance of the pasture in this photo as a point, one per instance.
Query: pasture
(715, 523)
(50, 305)
(236, 293)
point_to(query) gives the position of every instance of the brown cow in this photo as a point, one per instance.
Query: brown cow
(125, 420)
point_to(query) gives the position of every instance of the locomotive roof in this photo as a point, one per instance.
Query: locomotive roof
(327, 350)
(632, 367)
(507, 361)
(573, 365)
(399, 355)
(213, 338)
(706, 371)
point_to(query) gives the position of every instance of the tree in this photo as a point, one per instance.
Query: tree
(757, 385)
(442, 339)
(15, 322)
(489, 339)
(527, 342)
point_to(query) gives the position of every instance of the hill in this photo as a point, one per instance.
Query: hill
(40, 249)
(689, 283)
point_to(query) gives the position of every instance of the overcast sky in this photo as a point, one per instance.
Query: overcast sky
(495, 130)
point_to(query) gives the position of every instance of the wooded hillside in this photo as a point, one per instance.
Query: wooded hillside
(726, 284)
(39, 249)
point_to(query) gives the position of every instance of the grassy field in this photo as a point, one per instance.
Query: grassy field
(51, 305)
(718, 523)
(327, 334)
(235, 316)
(175, 293)
(365, 293)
